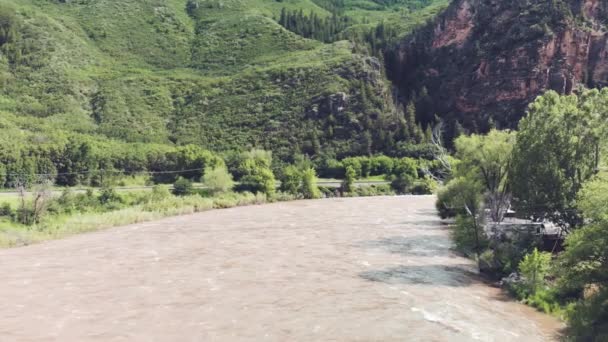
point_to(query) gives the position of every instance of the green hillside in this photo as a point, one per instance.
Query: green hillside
(222, 75)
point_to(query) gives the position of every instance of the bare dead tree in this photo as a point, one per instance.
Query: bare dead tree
(32, 210)
(440, 154)
(42, 194)
(20, 187)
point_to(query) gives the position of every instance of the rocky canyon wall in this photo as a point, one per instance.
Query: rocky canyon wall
(483, 61)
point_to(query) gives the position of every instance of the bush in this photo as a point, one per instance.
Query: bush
(406, 165)
(160, 192)
(6, 210)
(330, 168)
(381, 165)
(69, 202)
(402, 183)
(468, 236)
(452, 198)
(353, 164)
(425, 186)
(374, 190)
(109, 196)
(534, 268)
(488, 264)
(189, 157)
(291, 180)
(309, 184)
(349, 180)
(182, 187)
(257, 175)
(546, 301)
(218, 179)
(262, 181)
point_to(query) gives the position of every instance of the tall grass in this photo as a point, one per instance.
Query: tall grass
(55, 227)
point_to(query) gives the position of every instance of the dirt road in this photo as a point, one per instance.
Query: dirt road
(329, 270)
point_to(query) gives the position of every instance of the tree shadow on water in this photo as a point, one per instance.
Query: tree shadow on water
(428, 224)
(419, 245)
(454, 276)
(427, 212)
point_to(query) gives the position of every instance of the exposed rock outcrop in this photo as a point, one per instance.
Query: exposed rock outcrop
(485, 59)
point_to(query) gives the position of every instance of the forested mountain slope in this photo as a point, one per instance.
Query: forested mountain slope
(482, 61)
(219, 74)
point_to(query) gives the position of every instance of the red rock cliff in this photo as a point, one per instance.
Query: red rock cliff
(485, 59)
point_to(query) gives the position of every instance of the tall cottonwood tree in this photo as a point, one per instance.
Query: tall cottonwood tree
(487, 158)
(557, 150)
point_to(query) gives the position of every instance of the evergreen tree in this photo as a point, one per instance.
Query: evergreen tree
(414, 131)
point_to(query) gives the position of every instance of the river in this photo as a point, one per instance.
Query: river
(358, 269)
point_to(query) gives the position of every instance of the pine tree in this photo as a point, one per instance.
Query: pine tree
(428, 134)
(419, 134)
(410, 119)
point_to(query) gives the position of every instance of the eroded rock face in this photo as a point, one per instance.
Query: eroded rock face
(486, 59)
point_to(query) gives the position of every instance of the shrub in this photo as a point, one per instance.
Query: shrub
(160, 192)
(257, 175)
(330, 168)
(425, 186)
(189, 157)
(402, 183)
(468, 235)
(534, 268)
(309, 184)
(405, 173)
(349, 180)
(291, 180)
(182, 187)
(455, 195)
(381, 165)
(109, 196)
(354, 164)
(25, 215)
(262, 181)
(374, 190)
(546, 301)
(6, 210)
(218, 179)
(488, 264)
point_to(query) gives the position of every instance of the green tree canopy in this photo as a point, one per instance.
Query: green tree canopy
(584, 265)
(557, 150)
(487, 158)
(256, 171)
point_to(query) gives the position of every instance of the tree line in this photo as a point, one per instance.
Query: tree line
(325, 29)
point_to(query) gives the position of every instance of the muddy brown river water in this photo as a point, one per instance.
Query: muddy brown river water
(361, 269)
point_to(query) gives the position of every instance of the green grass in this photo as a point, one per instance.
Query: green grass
(55, 227)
